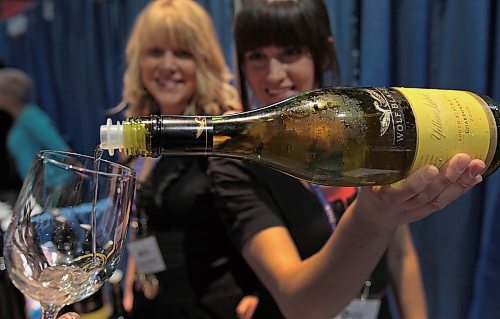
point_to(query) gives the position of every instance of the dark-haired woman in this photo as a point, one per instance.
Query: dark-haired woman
(280, 226)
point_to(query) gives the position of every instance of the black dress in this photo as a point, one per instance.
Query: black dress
(205, 274)
(252, 197)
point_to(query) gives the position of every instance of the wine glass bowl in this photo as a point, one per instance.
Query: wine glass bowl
(57, 250)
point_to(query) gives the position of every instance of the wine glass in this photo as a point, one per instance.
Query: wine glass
(67, 233)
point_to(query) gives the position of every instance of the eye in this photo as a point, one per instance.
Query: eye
(255, 60)
(291, 54)
(155, 52)
(183, 54)
(254, 56)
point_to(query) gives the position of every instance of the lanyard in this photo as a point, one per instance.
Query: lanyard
(332, 220)
(327, 208)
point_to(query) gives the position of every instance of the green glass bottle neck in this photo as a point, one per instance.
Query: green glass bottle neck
(172, 135)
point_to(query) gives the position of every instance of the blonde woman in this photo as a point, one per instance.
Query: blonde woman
(175, 66)
(183, 32)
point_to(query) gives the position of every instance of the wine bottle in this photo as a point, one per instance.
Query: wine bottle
(331, 136)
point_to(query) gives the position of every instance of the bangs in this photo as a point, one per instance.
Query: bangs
(285, 26)
(172, 29)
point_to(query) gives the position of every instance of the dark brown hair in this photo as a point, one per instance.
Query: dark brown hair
(286, 23)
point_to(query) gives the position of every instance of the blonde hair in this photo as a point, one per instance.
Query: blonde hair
(187, 24)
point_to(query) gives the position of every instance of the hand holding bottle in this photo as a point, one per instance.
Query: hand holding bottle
(361, 237)
(423, 192)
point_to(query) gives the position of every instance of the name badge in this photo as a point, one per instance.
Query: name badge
(147, 255)
(360, 309)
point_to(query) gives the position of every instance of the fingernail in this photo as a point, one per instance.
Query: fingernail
(462, 163)
(477, 169)
(431, 172)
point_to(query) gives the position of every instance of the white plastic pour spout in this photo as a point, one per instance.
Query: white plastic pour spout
(111, 136)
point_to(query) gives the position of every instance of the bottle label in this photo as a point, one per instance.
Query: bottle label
(448, 122)
(392, 115)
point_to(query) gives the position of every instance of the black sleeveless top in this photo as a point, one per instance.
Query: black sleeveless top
(206, 276)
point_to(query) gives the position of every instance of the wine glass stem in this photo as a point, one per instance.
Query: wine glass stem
(50, 311)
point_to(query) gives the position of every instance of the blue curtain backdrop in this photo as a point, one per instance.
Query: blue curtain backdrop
(74, 51)
(442, 44)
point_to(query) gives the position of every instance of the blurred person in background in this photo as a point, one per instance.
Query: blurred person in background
(32, 129)
(10, 183)
(11, 300)
(176, 67)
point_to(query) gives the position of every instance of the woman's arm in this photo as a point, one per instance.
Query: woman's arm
(322, 285)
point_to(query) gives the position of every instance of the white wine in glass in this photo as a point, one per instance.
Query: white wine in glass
(68, 230)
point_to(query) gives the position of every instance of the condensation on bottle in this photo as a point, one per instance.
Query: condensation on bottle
(330, 136)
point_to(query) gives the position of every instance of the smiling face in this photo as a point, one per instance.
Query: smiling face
(168, 73)
(275, 73)
(300, 38)
(175, 64)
